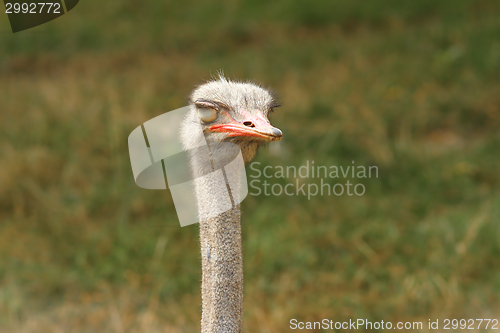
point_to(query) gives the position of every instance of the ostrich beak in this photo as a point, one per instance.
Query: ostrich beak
(253, 126)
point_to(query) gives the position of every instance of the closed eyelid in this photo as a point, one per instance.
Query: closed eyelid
(201, 103)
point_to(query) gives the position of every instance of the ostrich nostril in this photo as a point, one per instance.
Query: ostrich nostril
(248, 123)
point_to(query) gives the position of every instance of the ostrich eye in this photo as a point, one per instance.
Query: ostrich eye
(207, 115)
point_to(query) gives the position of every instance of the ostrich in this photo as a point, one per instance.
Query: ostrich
(235, 112)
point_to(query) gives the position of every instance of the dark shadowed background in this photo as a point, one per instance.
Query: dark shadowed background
(412, 87)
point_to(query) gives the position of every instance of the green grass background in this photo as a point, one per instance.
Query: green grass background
(410, 86)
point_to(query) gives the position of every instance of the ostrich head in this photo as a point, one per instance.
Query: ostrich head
(236, 112)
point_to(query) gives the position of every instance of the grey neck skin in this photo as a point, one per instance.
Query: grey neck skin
(222, 279)
(220, 238)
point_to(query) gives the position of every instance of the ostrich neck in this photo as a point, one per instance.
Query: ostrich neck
(220, 234)
(222, 279)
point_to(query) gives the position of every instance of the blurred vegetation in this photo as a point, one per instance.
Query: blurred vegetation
(410, 86)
